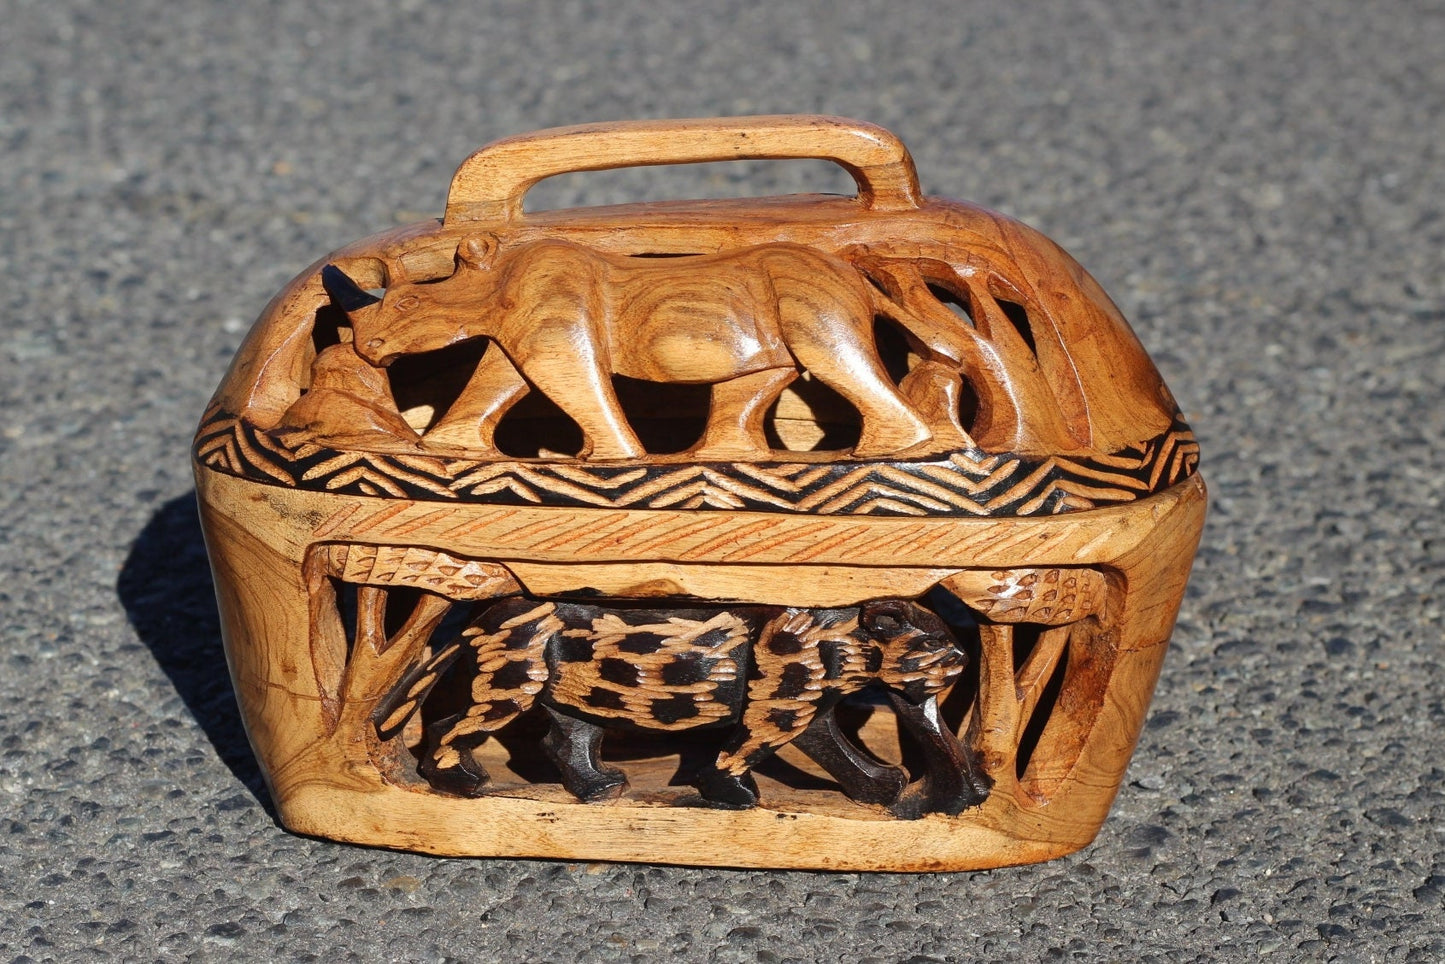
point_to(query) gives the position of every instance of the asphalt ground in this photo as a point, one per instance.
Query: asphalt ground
(1259, 186)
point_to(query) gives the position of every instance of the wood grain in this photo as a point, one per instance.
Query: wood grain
(903, 447)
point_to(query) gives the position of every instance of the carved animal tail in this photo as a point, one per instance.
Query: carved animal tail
(393, 712)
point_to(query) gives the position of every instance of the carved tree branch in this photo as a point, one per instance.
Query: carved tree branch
(996, 724)
(370, 620)
(1019, 409)
(1032, 419)
(1058, 598)
(1037, 670)
(327, 634)
(348, 687)
(935, 332)
(374, 670)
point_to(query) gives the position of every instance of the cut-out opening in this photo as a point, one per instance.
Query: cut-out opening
(454, 622)
(854, 714)
(1048, 700)
(426, 384)
(536, 425)
(954, 301)
(399, 605)
(811, 417)
(346, 608)
(691, 182)
(962, 621)
(893, 349)
(1026, 637)
(968, 406)
(668, 417)
(326, 329)
(1019, 318)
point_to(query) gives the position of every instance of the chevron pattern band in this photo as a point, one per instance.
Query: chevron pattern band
(965, 483)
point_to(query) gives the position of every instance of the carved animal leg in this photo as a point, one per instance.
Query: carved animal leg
(574, 746)
(728, 791)
(574, 378)
(472, 420)
(735, 417)
(729, 781)
(951, 782)
(890, 427)
(448, 766)
(842, 356)
(863, 778)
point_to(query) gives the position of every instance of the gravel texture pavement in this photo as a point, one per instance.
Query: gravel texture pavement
(1260, 188)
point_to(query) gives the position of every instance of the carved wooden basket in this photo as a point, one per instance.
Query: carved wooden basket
(812, 531)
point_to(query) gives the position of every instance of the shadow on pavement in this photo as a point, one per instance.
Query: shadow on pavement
(165, 586)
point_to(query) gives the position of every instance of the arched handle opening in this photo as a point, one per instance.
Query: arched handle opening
(491, 184)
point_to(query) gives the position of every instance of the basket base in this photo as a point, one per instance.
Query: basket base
(658, 832)
(309, 710)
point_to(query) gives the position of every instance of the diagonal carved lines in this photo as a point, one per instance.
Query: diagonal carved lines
(968, 483)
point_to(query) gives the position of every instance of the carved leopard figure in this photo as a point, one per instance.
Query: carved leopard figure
(763, 673)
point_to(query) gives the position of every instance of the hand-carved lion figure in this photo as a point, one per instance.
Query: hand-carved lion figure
(763, 673)
(567, 317)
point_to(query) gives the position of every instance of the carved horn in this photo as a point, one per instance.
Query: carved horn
(346, 294)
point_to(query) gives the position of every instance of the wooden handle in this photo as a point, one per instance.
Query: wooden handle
(490, 185)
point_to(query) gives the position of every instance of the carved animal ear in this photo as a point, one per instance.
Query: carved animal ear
(477, 252)
(884, 617)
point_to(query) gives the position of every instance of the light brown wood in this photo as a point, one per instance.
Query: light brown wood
(569, 318)
(783, 486)
(490, 185)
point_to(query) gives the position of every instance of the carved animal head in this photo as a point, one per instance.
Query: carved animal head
(920, 656)
(416, 317)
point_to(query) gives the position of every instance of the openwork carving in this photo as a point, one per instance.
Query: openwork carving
(945, 428)
(799, 532)
(568, 318)
(761, 675)
(429, 677)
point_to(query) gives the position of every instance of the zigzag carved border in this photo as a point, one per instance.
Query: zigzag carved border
(968, 483)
